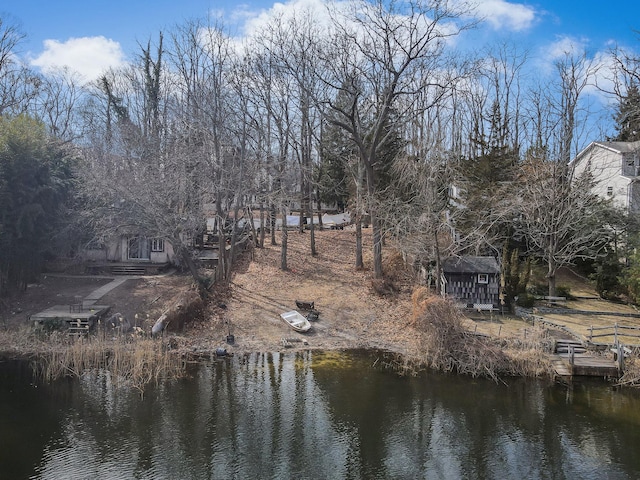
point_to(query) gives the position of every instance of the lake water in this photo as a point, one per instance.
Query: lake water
(315, 416)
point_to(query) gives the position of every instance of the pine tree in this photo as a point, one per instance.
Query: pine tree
(36, 183)
(333, 178)
(628, 116)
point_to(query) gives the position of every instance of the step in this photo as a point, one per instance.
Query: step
(128, 270)
(575, 350)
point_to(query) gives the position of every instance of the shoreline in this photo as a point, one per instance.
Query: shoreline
(351, 315)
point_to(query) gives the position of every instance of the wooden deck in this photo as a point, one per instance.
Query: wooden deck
(572, 359)
(60, 316)
(584, 365)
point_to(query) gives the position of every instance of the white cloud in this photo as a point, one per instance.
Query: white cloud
(564, 46)
(88, 56)
(503, 15)
(254, 22)
(555, 51)
(598, 66)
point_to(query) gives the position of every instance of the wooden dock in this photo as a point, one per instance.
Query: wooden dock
(61, 316)
(572, 359)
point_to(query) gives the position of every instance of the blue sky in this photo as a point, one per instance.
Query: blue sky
(88, 35)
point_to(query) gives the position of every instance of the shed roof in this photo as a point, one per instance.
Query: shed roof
(470, 264)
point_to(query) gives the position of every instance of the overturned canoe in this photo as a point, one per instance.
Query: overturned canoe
(296, 320)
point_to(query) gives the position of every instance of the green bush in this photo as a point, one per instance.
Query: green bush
(525, 300)
(538, 289)
(563, 291)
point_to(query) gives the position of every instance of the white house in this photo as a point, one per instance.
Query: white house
(129, 254)
(615, 167)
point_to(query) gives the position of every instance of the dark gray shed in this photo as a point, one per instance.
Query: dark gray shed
(472, 281)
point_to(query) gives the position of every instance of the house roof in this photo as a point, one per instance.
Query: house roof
(470, 264)
(622, 147)
(617, 147)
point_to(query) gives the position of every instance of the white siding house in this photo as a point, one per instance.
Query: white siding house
(615, 167)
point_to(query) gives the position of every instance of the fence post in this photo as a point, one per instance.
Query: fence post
(620, 349)
(571, 359)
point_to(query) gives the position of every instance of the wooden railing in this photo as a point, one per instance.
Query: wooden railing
(614, 330)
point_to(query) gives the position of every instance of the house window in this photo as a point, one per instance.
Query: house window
(483, 278)
(157, 245)
(610, 191)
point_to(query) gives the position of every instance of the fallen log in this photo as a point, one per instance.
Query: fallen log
(161, 323)
(185, 309)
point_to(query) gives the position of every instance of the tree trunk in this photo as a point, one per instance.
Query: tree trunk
(377, 246)
(272, 223)
(254, 233)
(221, 265)
(436, 251)
(359, 261)
(232, 247)
(312, 231)
(285, 234)
(262, 225)
(551, 276)
(185, 257)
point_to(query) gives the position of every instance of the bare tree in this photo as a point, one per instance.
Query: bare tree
(422, 211)
(19, 86)
(561, 221)
(58, 103)
(135, 177)
(380, 54)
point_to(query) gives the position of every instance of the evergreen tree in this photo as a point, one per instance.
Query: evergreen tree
(35, 186)
(487, 180)
(333, 177)
(628, 116)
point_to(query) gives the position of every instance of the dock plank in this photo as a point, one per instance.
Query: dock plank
(584, 365)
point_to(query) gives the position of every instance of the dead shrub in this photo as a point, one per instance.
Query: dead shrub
(421, 298)
(394, 266)
(384, 287)
(446, 344)
(631, 376)
(189, 308)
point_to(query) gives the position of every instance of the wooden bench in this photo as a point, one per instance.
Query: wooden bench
(626, 351)
(302, 305)
(555, 300)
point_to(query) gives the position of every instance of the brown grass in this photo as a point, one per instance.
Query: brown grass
(446, 344)
(631, 377)
(130, 362)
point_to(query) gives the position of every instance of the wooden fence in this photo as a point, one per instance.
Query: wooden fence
(614, 331)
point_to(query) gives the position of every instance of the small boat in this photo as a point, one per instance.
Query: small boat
(296, 320)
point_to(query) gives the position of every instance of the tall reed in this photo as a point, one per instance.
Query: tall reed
(135, 363)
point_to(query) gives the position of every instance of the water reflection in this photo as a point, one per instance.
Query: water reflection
(315, 415)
